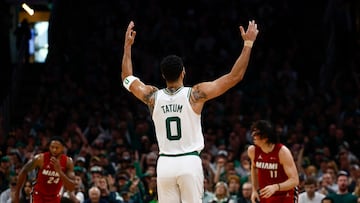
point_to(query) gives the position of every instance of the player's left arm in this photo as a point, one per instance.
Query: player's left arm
(205, 91)
(69, 179)
(143, 92)
(287, 160)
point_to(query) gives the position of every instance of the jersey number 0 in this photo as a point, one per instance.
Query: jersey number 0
(173, 129)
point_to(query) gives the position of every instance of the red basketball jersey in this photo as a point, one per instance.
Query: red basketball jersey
(270, 171)
(48, 181)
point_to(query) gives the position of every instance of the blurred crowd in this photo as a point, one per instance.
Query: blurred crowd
(306, 84)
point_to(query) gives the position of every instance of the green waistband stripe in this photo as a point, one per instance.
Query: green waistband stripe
(184, 154)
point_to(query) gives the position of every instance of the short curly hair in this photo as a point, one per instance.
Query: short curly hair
(59, 139)
(171, 67)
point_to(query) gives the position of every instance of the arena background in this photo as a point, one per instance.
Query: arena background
(304, 48)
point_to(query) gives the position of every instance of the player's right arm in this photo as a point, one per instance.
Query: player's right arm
(253, 175)
(28, 167)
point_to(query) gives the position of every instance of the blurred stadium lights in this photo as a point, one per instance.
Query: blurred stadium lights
(28, 9)
(33, 4)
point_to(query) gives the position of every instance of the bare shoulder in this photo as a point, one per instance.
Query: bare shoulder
(35, 162)
(285, 149)
(251, 151)
(69, 162)
(69, 159)
(70, 168)
(251, 148)
(285, 154)
(39, 158)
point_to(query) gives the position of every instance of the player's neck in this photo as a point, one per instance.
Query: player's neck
(173, 87)
(268, 147)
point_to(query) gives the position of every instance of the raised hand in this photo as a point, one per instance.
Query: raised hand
(130, 34)
(251, 32)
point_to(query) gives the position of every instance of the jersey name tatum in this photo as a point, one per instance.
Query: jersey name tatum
(172, 108)
(50, 173)
(266, 165)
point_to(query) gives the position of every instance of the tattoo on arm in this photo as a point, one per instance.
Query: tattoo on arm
(148, 98)
(197, 95)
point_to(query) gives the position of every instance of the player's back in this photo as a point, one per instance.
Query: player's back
(177, 126)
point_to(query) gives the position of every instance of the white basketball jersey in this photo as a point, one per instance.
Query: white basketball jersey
(177, 127)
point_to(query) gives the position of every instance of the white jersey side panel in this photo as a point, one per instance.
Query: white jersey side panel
(177, 127)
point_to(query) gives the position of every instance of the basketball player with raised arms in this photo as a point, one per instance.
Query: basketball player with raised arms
(176, 112)
(273, 170)
(54, 171)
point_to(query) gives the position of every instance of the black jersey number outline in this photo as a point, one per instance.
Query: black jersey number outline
(173, 135)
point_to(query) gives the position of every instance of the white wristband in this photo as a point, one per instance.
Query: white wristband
(128, 80)
(248, 43)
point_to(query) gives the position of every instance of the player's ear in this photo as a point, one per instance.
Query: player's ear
(183, 73)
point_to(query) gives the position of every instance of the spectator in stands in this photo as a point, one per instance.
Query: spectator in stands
(246, 191)
(4, 173)
(107, 191)
(6, 195)
(208, 191)
(327, 200)
(332, 169)
(221, 193)
(243, 166)
(343, 194)
(26, 192)
(326, 181)
(77, 195)
(233, 181)
(310, 195)
(94, 196)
